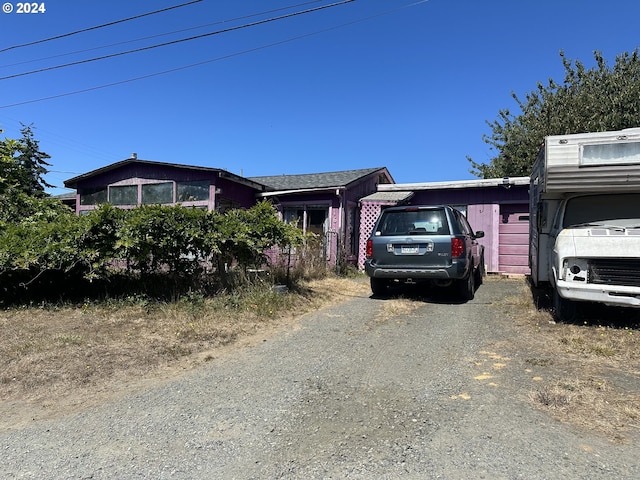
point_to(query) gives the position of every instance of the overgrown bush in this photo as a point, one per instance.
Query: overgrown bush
(159, 250)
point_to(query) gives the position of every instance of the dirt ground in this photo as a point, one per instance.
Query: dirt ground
(59, 360)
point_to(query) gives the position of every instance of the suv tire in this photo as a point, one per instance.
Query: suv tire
(379, 286)
(480, 272)
(466, 287)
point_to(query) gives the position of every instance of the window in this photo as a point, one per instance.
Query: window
(613, 209)
(124, 195)
(293, 216)
(157, 193)
(316, 218)
(611, 153)
(226, 204)
(312, 219)
(192, 191)
(432, 221)
(93, 196)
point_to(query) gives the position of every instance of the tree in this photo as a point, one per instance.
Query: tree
(23, 165)
(589, 100)
(22, 186)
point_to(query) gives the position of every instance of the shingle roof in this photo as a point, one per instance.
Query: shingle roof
(314, 180)
(387, 197)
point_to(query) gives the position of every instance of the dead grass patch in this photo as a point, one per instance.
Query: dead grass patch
(396, 306)
(591, 371)
(66, 356)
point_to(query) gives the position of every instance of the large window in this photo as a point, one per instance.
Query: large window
(123, 195)
(192, 191)
(157, 193)
(94, 196)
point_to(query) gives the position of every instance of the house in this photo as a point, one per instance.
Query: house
(499, 207)
(322, 203)
(340, 207)
(325, 204)
(133, 182)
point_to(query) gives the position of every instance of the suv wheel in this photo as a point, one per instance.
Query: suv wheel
(379, 286)
(466, 287)
(480, 272)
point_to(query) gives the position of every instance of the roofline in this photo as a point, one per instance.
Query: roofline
(273, 193)
(374, 171)
(73, 182)
(487, 182)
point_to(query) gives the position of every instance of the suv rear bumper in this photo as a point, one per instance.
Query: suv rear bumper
(453, 272)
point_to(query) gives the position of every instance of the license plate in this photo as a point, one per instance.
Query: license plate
(409, 250)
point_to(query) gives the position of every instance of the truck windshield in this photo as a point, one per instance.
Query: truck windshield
(612, 210)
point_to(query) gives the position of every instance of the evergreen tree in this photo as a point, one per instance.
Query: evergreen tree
(23, 166)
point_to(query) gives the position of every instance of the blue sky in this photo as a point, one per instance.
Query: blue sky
(403, 84)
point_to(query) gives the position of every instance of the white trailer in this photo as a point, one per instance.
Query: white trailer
(585, 219)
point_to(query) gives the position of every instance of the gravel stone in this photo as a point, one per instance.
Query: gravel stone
(353, 392)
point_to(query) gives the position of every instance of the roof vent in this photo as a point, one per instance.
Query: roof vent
(134, 156)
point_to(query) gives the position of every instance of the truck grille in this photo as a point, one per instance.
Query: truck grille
(615, 272)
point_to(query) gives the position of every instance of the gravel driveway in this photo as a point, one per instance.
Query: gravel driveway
(370, 388)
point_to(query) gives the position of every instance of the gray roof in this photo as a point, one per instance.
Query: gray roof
(315, 180)
(390, 197)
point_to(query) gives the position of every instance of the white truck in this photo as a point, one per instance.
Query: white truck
(585, 219)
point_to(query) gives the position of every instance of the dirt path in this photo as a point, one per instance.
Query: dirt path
(370, 388)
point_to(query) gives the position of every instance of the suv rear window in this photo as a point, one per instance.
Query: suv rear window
(413, 222)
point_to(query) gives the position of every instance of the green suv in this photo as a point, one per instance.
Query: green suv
(420, 243)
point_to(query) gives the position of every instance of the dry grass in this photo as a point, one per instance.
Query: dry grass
(60, 357)
(591, 371)
(54, 360)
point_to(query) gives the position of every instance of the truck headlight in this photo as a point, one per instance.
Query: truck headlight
(575, 269)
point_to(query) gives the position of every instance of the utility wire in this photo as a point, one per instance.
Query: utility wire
(160, 34)
(177, 69)
(156, 74)
(173, 42)
(57, 37)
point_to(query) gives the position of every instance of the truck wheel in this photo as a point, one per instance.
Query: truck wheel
(466, 287)
(379, 286)
(563, 310)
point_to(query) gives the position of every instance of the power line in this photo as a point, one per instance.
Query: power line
(164, 72)
(57, 37)
(185, 67)
(266, 12)
(173, 42)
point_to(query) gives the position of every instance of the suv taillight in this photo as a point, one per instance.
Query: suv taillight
(457, 247)
(369, 249)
